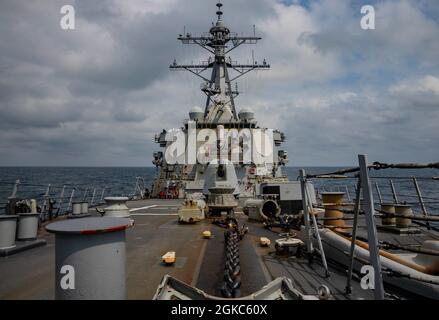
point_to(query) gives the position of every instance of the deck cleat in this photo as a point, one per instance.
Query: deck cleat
(288, 246)
(207, 234)
(169, 258)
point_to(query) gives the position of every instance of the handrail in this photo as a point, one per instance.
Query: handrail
(379, 166)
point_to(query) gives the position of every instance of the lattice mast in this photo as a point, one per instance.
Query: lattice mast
(220, 41)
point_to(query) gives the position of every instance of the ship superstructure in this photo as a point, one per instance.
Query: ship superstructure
(220, 113)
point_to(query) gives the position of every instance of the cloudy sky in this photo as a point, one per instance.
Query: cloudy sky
(96, 96)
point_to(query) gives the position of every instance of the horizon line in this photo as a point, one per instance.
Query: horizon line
(121, 166)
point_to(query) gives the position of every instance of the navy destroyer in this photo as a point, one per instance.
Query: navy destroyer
(221, 229)
(220, 113)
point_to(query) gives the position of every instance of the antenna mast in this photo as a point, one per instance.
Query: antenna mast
(219, 41)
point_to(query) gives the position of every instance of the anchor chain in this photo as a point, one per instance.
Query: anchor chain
(232, 268)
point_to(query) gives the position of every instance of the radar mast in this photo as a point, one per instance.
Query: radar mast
(220, 88)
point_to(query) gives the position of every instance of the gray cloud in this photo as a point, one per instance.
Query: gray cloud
(97, 95)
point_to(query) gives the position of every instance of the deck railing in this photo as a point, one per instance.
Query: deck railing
(57, 200)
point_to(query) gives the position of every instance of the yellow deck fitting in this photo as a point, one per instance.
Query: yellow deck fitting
(207, 234)
(333, 203)
(169, 257)
(265, 242)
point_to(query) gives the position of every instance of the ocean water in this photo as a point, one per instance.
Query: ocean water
(122, 182)
(34, 182)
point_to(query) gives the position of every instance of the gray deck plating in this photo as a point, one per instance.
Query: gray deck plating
(30, 274)
(21, 246)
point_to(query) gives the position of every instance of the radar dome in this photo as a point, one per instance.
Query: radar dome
(246, 114)
(196, 114)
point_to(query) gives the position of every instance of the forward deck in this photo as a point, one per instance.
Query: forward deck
(200, 262)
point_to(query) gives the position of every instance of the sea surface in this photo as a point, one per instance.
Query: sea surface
(121, 181)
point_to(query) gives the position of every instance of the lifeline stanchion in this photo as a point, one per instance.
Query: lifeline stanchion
(348, 288)
(316, 228)
(369, 209)
(421, 200)
(309, 246)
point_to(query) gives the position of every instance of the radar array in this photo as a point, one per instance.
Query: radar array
(220, 41)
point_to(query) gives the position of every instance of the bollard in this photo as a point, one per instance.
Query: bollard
(27, 226)
(406, 211)
(388, 209)
(76, 208)
(333, 203)
(8, 228)
(79, 210)
(90, 258)
(84, 208)
(116, 207)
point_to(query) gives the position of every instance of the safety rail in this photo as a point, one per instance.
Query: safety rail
(370, 191)
(416, 191)
(57, 200)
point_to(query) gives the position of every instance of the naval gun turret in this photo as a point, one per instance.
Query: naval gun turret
(220, 188)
